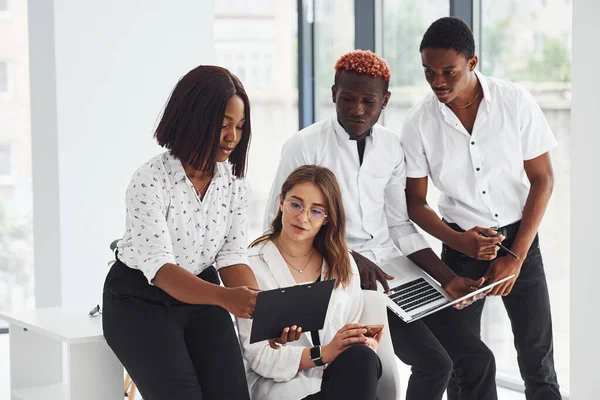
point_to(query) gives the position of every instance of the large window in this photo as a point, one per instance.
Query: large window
(259, 45)
(334, 36)
(3, 77)
(404, 23)
(530, 43)
(16, 250)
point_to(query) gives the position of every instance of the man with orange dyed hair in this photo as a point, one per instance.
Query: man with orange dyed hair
(368, 162)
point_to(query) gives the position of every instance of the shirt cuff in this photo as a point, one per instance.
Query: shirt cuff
(292, 362)
(415, 173)
(411, 243)
(151, 266)
(231, 259)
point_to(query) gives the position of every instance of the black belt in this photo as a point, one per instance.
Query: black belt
(508, 231)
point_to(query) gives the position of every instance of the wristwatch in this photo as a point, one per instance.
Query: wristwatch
(316, 356)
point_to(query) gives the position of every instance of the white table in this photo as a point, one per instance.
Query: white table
(60, 354)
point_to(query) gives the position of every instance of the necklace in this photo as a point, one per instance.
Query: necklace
(469, 103)
(198, 191)
(301, 270)
(291, 255)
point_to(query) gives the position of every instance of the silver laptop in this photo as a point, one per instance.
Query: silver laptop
(414, 294)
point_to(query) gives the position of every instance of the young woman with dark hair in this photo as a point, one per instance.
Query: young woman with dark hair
(165, 315)
(306, 244)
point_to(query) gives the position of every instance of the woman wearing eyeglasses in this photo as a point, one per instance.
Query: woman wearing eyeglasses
(306, 244)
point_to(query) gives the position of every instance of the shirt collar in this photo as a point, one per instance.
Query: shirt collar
(483, 81)
(341, 132)
(270, 255)
(178, 171)
(175, 166)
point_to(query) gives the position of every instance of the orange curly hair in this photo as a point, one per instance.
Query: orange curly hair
(363, 62)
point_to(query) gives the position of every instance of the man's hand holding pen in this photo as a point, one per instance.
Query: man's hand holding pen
(476, 245)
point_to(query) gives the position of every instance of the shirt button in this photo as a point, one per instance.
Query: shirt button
(472, 142)
(483, 192)
(496, 215)
(476, 169)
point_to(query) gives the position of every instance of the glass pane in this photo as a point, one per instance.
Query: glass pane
(3, 77)
(16, 230)
(530, 43)
(265, 60)
(404, 23)
(331, 42)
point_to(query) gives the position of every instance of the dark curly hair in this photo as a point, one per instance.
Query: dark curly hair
(449, 33)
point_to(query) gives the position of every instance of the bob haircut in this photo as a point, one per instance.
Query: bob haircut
(191, 123)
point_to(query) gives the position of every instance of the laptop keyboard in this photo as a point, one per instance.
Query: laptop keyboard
(414, 294)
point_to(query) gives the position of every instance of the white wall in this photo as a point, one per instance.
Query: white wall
(101, 72)
(585, 217)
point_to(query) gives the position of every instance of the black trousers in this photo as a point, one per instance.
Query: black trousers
(352, 375)
(528, 307)
(171, 350)
(435, 346)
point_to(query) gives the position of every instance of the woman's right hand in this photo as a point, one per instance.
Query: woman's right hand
(348, 335)
(240, 301)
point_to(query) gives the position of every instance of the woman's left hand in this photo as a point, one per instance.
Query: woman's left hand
(289, 334)
(374, 342)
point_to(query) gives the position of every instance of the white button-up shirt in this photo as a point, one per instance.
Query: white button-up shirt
(273, 374)
(481, 176)
(373, 193)
(166, 222)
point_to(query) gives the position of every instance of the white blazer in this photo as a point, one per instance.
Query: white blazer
(273, 374)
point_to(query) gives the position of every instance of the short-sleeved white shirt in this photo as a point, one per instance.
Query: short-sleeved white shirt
(166, 222)
(481, 176)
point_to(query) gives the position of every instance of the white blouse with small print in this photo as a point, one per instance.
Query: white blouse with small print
(166, 222)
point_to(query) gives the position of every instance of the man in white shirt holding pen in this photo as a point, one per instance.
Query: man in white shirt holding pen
(368, 162)
(485, 145)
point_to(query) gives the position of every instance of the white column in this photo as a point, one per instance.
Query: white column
(101, 72)
(585, 192)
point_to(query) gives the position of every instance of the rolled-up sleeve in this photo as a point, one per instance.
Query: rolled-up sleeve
(280, 365)
(234, 249)
(402, 231)
(146, 205)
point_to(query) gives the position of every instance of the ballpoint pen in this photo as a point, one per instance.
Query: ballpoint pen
(503, 247)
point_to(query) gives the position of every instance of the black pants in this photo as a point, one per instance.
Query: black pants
(171, 350)
(352, 375)
(434, 347)
(528, 307)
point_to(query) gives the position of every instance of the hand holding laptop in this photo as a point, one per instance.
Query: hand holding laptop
(459, 287)
(500, 268)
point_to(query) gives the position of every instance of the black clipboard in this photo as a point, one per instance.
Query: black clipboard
(301, 305)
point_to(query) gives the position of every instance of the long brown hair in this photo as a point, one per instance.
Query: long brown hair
(330, 240)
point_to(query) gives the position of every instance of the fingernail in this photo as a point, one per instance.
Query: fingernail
(299, 329)
(286, 329)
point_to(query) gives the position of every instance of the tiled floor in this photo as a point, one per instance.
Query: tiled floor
(503, 394)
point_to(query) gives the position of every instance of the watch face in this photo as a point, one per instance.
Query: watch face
(315, 353)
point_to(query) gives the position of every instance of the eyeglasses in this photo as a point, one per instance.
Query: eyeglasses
(295, 208)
